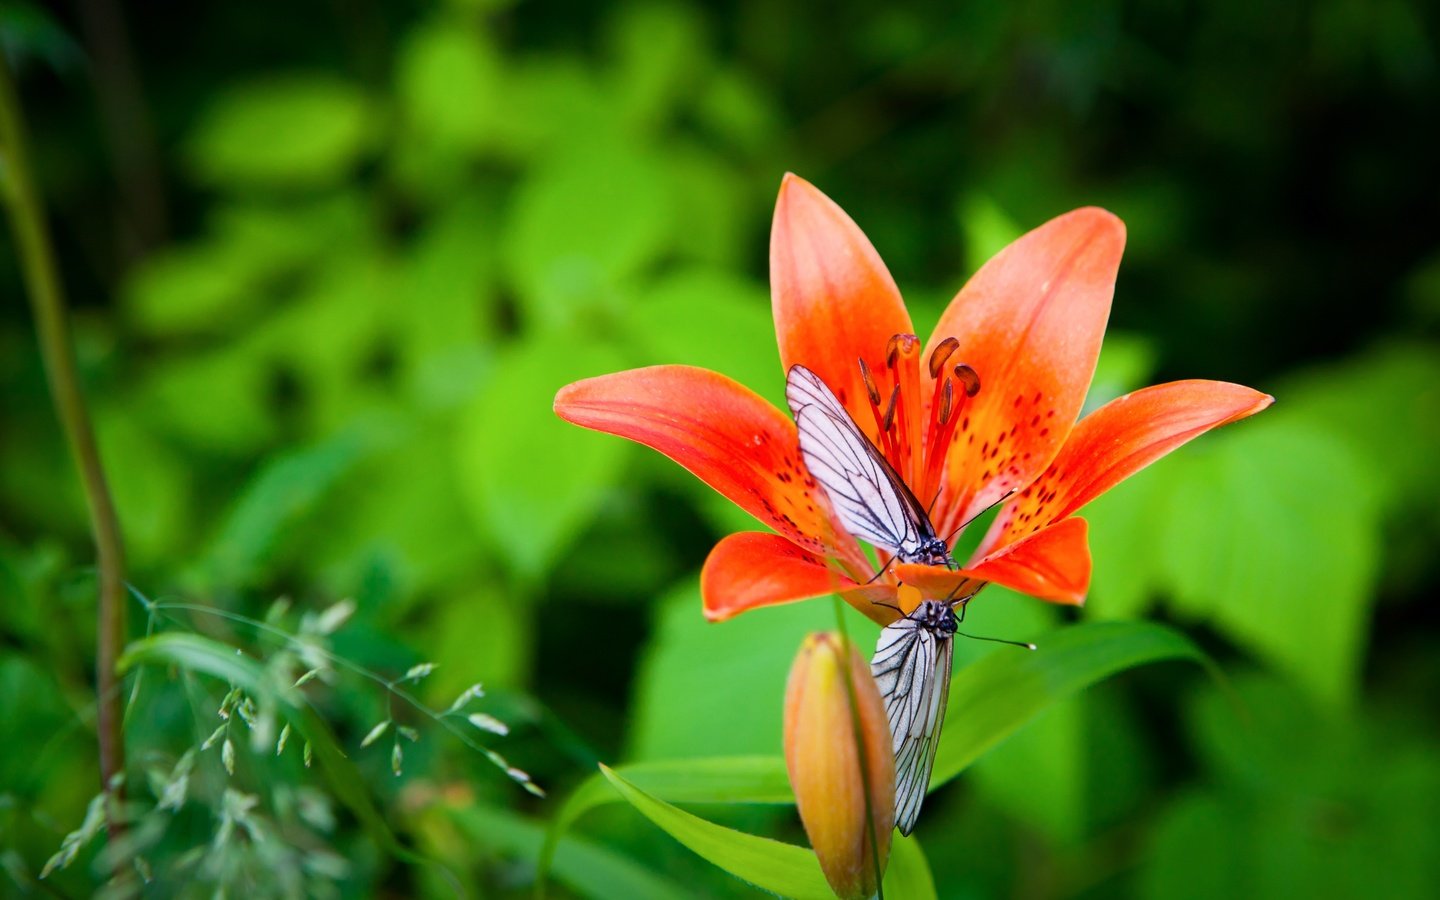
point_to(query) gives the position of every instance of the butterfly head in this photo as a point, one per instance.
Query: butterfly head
(936, 615)
(931, 552)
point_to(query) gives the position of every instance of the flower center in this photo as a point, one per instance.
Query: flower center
(913, 434)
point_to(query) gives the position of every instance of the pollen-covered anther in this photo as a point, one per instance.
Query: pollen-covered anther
(941, 355)
(887, 421)
(869, 380)
(969, 378)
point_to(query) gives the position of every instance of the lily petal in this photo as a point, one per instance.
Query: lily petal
(1030, 324)
(833, 299)
(753, 569)
(1052, 564)
(1119, 439)
(723, 432)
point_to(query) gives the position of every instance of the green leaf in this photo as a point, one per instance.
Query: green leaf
(705, 318)
(290, 131)
(660, 54)
(1382, 406)
(1126, 361)
(1274, 536)
(280, 496)
(768, 864)
(692, 668)
(531, 480)
(908, 876)
(1125, 542)
(583, 224)
(449, 83)
(589, 869)
(728, 779)
(993, 698)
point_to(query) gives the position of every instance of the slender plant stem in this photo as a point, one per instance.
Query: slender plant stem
(42, 282)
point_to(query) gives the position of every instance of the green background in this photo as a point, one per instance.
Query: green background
(329, 263)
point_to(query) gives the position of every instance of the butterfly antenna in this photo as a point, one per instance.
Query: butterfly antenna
(1006, 496)
(882, 571)
(995, 640)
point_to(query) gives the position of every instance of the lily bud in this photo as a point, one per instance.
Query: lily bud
(825, 762)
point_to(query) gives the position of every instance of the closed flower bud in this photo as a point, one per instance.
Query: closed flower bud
(823, 718)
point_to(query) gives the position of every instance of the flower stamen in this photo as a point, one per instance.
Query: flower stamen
(941, 355)
(944, 416)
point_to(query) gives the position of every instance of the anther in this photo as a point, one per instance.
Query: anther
(888, 421)
(895, 344)
(870, 388)
(947, 399)
(941, 355)
(968, 376)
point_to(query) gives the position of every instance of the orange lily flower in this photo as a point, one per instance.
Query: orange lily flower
(984, 412)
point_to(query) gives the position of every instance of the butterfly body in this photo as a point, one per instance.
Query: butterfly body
(870, 498)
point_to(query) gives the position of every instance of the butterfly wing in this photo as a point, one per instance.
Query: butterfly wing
(911, 666)
(869, 497)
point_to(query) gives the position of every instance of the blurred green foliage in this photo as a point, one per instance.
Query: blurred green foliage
(329, 264)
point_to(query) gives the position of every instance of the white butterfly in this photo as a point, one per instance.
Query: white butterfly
(912, 669)
(912, 660)
(870, 498)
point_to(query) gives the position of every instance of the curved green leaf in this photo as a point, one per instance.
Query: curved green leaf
(589, 869)
(726, 779)
(772, 865)
(908, 875)
(993, 698)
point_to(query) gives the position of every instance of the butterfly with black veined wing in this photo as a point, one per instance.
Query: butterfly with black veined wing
(911, 667)
(912, 659)
(869, 497)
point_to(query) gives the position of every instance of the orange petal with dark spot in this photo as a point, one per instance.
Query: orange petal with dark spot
(1052, 564)
(753, 569)
(723, 432)
(833, 299)
(1030, 324)
(1116, 441)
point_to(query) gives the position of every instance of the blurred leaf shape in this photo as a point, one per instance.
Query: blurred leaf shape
(449, 82)
(291, 131)
(702, 317)
(994, 697)
(249, 543)
(692, 668)
(589, 869)
(1300, 802)
(529, 481)
(581, 225)
(1384, 404)
(151, 487)
(215, 401)
(1273, 535)
(212, 285)
(660, 54)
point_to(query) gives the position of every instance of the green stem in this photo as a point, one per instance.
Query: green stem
(42, 282)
